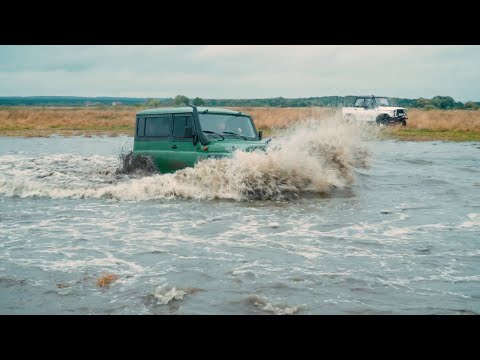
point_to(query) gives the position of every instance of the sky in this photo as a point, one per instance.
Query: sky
(241, 71)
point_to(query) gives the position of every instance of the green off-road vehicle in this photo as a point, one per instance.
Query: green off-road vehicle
(175, 138)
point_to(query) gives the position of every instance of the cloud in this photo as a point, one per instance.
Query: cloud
(239, 71)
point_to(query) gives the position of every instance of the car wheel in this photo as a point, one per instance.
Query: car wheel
(404, 122)
(383, 119)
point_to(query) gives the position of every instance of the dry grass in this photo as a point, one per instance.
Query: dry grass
(281, 118)
(444, 120)
(444, 125)
(437, 120)
(38, 121)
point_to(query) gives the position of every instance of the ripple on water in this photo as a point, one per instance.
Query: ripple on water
(402, 238)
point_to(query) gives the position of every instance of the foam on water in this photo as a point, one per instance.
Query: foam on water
(269, 308)
(403, 240)
(165, 294)
(316, 156)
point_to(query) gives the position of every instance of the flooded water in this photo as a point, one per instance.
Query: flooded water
(342, 226)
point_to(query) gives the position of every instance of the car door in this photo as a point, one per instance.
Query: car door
(183, 152)
(359, 110)
(153, 138)
(368, 110)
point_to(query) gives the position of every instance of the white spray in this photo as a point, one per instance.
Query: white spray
(315, 156)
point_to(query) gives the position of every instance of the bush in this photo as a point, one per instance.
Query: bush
(181, 100)
(198, 102)
(470, 105)
(153, 103)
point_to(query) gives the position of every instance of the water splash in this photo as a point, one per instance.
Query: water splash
(135, 164)
(316, 156)
(164, 295)
(268, 308)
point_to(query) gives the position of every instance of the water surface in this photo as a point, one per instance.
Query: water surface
(402, 238)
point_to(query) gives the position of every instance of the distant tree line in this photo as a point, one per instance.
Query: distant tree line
(437, 102)
(68, 101)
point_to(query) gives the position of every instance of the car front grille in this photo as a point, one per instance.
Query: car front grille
(255, 148)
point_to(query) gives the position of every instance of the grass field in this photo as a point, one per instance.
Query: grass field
(451, 125)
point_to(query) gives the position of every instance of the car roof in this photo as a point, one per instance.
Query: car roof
(188, 109)
(369, 96)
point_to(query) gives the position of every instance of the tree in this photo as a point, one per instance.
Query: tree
(153, 102)
(471, 105)
(181, 100)
(443, 102)
(422, 102)
(198, 102)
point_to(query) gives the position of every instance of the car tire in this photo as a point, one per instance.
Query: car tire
(404, 122)
(383, 119)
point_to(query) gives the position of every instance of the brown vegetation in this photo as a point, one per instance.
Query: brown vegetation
(444, 125)
(38, 121)
(444, 120)
(438, 120)
(280, 118)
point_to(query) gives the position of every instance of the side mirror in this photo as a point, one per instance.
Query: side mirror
(260, 134)
(188, 132)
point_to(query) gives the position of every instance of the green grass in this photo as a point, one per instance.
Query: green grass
(430, 135)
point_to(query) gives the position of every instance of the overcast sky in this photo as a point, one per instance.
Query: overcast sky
(239, 71)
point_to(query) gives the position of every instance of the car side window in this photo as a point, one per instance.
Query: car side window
(359, 103)
(158, 126)
(180, 122)
(141, 126)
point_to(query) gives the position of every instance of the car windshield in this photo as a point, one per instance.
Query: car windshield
(367, 102)
(227, 125)
(363, 102)
(382, 101)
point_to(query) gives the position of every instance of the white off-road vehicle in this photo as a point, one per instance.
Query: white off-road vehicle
(375, 109)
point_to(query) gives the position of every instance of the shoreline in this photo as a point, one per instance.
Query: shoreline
(423, 125)
(391, 134)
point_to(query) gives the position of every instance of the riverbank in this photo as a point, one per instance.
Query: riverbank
(444, 125)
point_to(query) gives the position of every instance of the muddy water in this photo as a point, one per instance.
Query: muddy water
(329, 223)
